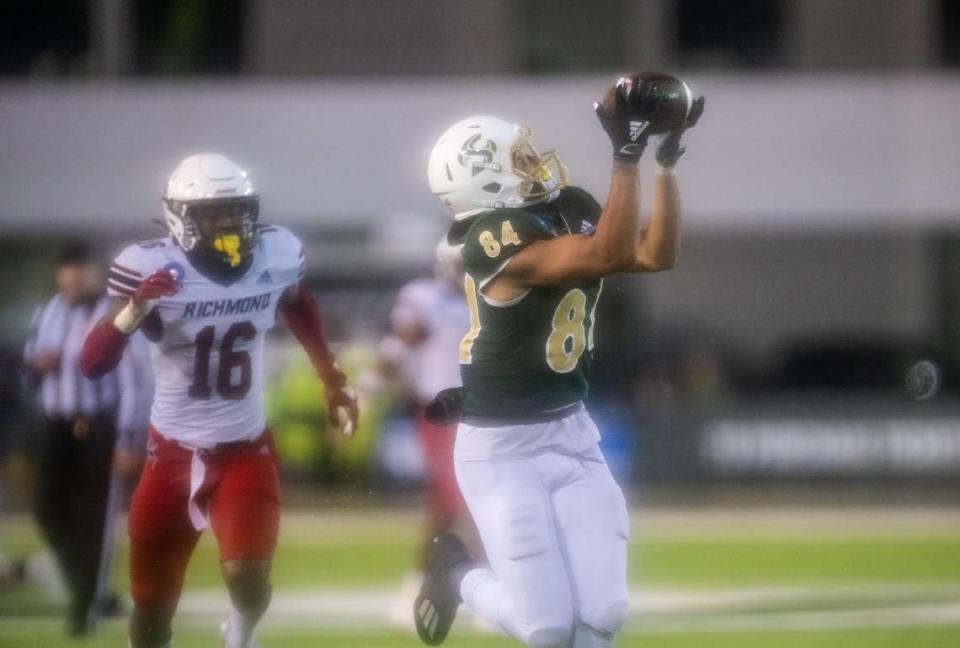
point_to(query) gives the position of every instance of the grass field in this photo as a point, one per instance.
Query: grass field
(790, 578)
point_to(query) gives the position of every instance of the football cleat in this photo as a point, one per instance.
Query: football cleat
(225, 631)
(436, 606)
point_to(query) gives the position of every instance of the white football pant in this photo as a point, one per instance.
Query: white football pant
(554, 527)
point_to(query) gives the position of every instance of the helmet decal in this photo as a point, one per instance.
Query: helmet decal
(483, 162)
(472, 155)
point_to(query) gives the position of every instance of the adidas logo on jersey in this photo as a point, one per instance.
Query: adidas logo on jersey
(264, 277)
(587, 228)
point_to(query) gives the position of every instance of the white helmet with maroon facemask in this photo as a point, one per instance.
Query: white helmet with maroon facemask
(211, 179)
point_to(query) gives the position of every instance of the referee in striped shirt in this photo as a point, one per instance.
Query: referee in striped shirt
(95, 433)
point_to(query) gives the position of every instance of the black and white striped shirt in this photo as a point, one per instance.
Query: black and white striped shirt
(124, 393)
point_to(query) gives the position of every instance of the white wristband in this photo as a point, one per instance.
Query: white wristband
(667, 171)
(128, 319)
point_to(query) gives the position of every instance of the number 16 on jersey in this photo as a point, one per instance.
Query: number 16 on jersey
(231, 361)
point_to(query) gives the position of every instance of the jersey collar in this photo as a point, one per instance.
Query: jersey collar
(216, 270)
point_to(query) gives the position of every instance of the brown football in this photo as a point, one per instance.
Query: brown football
(672, 112)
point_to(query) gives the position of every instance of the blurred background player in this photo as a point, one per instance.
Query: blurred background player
(91, 425)
(553, 521)
(428, 320)
(205, 298)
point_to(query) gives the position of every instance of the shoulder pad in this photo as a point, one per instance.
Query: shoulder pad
(280, 240)
(152, 244)
(581, 210)
(137, 262)
(283, 249)
(496, 236)
(128, 270)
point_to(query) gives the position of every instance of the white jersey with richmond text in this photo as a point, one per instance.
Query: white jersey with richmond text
(207, 340)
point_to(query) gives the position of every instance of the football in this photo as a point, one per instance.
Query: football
(675, 108)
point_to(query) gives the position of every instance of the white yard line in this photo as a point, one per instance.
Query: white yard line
(947, 614)
(667, 521)
(795, 522)
(651, 610)
(685, 600)
(367, 602)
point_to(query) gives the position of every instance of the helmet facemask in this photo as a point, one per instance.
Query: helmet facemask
(230, 240)
(542, 175)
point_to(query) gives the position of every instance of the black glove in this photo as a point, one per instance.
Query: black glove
(669, 151)
(446, 407)
(627, 122)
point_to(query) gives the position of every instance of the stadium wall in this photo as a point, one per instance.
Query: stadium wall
(772, 152)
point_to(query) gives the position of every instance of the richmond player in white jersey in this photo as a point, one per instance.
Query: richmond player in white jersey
(205, 297)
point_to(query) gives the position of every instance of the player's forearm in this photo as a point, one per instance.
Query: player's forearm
(659, 244)
(612, 245)
(302, 316)
(580, 257)
(102, 350)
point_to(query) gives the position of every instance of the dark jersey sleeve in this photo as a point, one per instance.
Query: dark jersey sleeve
(580, 209)
(497, 236)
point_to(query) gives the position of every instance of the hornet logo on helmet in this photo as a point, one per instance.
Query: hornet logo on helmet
(474, 153)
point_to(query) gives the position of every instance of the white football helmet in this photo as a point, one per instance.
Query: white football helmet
(202, 179)
(483, 163)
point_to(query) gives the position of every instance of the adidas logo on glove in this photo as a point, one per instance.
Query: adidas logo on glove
(637, 128)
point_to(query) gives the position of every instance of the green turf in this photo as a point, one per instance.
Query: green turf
(794, 561)
(375, 549)
(47, 635)
(381, 556)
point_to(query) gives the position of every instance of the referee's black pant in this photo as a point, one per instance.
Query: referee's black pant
(71, 505)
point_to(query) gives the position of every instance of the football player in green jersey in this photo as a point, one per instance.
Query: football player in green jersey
(552, 520)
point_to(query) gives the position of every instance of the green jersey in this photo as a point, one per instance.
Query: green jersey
(532, 354)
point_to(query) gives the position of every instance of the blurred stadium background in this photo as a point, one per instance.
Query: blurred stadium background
(794, 472)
